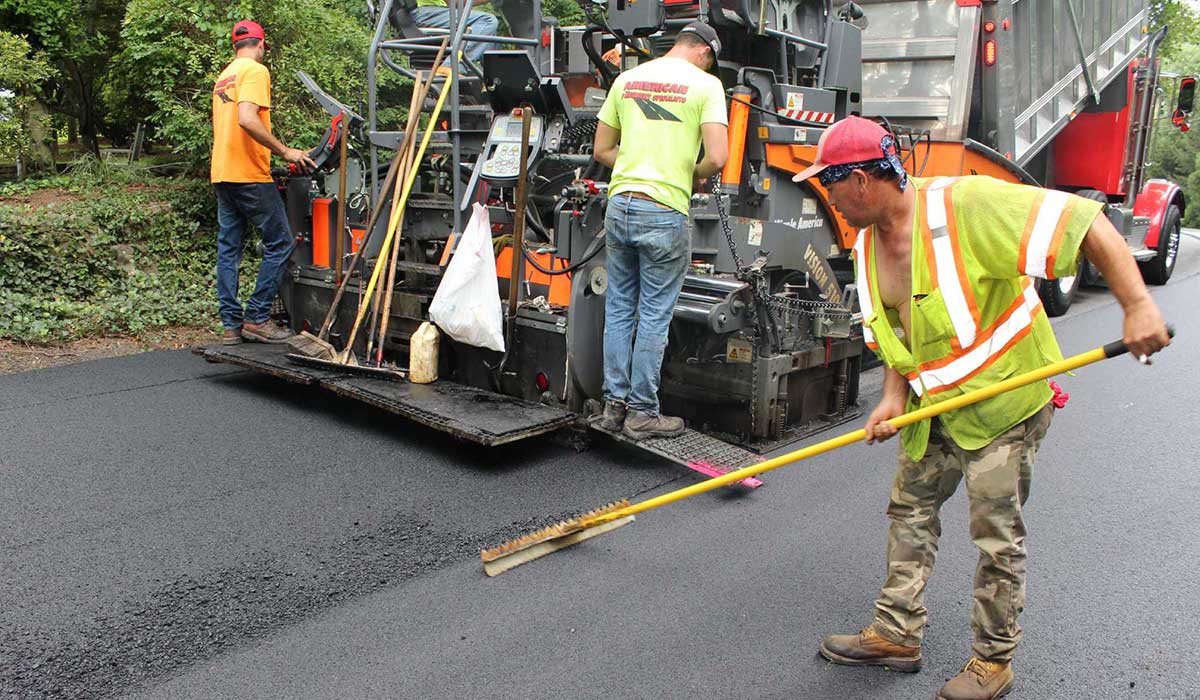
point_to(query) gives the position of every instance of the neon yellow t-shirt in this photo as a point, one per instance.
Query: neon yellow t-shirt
(658, 107)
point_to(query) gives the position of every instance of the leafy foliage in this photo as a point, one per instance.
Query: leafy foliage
(79, 40)
(1175, 155)
(174, 50)
(100, 252)
(22, 73)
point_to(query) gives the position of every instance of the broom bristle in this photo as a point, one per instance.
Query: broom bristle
(551, 532)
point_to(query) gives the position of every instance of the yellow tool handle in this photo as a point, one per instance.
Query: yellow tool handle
(398, 212)
(1071, 363)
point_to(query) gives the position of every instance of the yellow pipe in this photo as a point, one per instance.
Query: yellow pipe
(1071, 363)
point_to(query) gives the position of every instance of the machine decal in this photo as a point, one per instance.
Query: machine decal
(738, 350)
(755, 237)
(819, 271)
(808, 115)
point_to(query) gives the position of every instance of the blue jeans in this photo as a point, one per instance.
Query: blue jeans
(478, 23)
(648, 253)
(257, 203)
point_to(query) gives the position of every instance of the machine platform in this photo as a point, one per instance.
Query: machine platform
(477, 415)
(695, 450)
(268, 359)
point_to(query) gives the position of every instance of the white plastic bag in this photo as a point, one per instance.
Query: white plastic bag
(466, 305)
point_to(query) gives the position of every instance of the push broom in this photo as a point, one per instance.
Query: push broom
(537, 544)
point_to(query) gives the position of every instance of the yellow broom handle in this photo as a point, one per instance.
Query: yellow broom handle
(1071, 363)
(397, 214)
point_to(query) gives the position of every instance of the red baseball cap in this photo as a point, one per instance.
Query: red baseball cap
(247, 29)
(851, 140)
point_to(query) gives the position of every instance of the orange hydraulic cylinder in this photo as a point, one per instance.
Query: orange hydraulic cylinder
(321, 211)
(739, 118)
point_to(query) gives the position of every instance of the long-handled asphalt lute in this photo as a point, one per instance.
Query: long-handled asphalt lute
(537, 544)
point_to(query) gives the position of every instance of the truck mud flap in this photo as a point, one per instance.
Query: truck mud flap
(472, 414)
(268, 359)
(701, 453)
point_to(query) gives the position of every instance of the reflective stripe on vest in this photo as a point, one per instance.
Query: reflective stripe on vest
(865, 303)
(1043, 234)
(947, 271)
(1013, 325)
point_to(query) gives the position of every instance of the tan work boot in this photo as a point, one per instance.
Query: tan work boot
(265, 332)
(640, 426)
(979, 680)
(868, 648)
(231, 336)
(613, 418)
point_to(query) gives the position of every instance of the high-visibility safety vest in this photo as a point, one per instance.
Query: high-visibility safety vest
(975, 316)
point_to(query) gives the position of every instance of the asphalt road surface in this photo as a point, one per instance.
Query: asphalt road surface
(173, 529)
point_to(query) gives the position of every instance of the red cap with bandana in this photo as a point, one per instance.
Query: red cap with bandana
(851, 140)
(247, 29)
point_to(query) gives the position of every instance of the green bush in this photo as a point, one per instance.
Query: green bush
(111, 253)
(172, 53)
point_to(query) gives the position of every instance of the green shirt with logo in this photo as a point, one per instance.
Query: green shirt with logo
(658, 107)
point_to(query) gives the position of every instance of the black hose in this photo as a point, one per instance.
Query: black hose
(606, 74)
(594, 249)
(778, 115)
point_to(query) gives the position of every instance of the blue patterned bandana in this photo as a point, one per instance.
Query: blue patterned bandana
(837, 173)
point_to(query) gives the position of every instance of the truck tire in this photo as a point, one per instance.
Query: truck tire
(1158, 269)
(1058, 294)
(1089, 275)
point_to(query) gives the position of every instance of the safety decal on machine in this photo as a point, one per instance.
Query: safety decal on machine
(808, 115)
(755, 237)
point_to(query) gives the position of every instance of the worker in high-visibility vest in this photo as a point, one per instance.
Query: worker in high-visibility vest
(943, 269)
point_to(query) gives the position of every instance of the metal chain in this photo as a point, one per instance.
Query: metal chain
(755, 278)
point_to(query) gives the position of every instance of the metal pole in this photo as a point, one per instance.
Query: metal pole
(455, 100)
(380, 25)
(339, 244)
(1087, 73)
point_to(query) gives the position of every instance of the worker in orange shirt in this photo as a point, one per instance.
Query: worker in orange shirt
(246, 192)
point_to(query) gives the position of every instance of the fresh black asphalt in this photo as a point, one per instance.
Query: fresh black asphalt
(174, 529)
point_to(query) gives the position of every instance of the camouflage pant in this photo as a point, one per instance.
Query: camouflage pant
(998, 478)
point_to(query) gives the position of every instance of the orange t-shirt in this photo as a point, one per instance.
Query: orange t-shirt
(236, 157)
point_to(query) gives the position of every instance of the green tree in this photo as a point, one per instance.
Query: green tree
(1181, 17)
(23, 73)
(78, 39)
(174, 50)
(1175, 155)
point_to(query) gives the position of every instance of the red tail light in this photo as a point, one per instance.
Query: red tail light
(989, 52)
(542, 382)
(989, 26)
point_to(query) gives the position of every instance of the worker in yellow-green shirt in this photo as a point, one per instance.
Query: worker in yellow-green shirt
(435, 15)
(650, 130)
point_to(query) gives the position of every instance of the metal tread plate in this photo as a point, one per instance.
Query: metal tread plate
(268, 359)
(472, 414)
(691, 448)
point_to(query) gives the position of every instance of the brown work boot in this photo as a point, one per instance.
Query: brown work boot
(979, 680)
(639, 426)
(265, 332)
(231, 336)
(614, 416)
(868, 648)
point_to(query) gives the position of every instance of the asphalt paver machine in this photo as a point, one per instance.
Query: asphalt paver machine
(765, 346)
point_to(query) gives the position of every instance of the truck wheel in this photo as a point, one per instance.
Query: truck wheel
(1089, 275)
(1158, 269)
(1058, 294)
